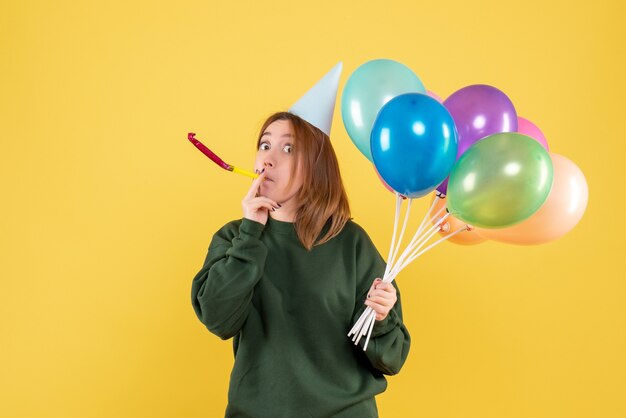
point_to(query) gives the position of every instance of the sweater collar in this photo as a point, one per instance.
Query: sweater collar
(289, 228)
(281, 227)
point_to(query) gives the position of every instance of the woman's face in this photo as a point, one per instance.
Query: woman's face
(275, 155)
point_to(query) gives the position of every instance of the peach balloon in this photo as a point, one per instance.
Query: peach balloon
(562, 210)
(452, 224)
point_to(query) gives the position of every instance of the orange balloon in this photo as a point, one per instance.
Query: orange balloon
(452, 224)
(560, 213)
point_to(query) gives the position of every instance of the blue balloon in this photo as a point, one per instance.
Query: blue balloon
(414, 143)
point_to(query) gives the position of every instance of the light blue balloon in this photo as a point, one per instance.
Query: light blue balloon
(369, 87)
(414, 143)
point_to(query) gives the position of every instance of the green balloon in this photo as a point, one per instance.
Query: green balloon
(499, 181)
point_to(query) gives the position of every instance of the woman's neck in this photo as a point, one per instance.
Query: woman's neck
(282, 216)
(287, 211)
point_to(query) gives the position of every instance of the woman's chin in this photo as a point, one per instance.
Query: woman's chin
(270, 194)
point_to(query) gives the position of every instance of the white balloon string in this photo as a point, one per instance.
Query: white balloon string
(357, 325)
(416, 241)
(437, 214)
(406, 218)
(416, 238)
(366, 327)
(458, 231)
(432, 206)
(393, 237)
(419, 231)
(423, 239)
(365, 324)
(420, 234)
(405, 263)
(369, 333)
(361, 325)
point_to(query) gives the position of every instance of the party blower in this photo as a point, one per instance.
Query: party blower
(217, 160)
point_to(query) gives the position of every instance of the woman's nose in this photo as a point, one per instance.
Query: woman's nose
(268, 164)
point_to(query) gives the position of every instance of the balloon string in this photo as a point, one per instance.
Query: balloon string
(368, 324)
(365, 323)
(369, 332)
(406, 218)
(419, 232)
(359, 322)
(416, 255)
(426, 236)
(416, 240)
(410, 260)
(393, 237)
(430, 210)
(423, 239)
(362, 323)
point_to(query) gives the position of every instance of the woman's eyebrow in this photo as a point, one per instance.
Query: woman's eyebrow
(282, 136)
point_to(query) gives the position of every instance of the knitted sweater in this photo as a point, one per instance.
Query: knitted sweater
(289, 311)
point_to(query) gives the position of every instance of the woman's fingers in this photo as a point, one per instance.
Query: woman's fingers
(262, 201)
(256, 183)
(385, 294)
(373, 286)
(382, 310)
(257, 208)
(381, 298)
(264, 205)
(380, 288)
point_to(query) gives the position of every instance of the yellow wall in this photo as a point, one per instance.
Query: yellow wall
(107, 210)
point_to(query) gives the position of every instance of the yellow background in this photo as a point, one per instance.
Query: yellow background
(107, 210)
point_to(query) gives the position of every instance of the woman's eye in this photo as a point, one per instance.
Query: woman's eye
(264, 146)
(288, 149)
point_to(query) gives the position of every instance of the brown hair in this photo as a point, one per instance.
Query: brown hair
(322, 195)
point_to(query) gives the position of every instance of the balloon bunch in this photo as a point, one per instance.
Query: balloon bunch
(488, 169)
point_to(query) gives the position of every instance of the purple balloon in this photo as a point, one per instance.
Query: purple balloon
(479, 111)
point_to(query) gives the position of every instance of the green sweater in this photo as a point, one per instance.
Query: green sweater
(290, 310)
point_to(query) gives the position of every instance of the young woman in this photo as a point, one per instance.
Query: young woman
(289, 280)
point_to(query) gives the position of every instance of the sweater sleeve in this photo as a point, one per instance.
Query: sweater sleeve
(390, 341)
(221, 292)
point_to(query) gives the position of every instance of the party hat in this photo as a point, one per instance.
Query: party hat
(318, 104)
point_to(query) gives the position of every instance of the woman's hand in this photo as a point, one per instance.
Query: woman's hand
(381, 298)
(257, 208)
